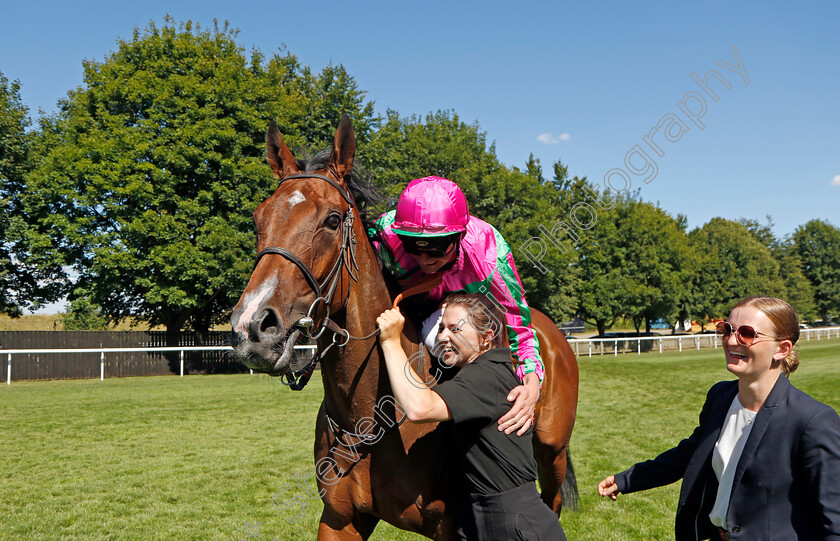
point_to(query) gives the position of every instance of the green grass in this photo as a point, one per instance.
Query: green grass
(200, 457)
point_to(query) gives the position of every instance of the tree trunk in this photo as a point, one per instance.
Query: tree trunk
(602, 327)
(647, 325)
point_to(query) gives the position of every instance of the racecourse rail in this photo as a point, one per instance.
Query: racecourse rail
(603, 346)
(672, 342)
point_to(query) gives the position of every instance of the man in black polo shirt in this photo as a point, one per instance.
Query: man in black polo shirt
(500, 499)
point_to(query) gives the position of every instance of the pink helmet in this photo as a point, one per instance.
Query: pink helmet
(431, 207)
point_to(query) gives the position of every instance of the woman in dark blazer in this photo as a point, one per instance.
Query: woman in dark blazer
(764, 463)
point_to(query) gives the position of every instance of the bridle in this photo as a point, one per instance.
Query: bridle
(297, 379)
(347, 259)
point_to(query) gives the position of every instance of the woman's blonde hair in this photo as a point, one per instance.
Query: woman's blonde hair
(785, 325)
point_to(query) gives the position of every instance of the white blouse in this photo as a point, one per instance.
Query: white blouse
(733, 436)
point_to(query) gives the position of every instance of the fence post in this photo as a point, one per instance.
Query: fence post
(680, 341)
(182, 363)
(697, 341)
(615, 349)
(639, 346)
(590, 348)
(101, 366)
(660, 345)
(9, 371)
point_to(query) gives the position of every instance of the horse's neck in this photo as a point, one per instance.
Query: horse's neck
(352, 381)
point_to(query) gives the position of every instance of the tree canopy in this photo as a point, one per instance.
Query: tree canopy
(738, 265)
(817, 246)
(514, 202)
(25, 279)
(152, 167)
(135, 198)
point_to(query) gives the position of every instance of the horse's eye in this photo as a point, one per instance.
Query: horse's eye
(333, 221)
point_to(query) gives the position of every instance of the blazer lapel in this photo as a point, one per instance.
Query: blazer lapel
(715, 423)
(760, 424)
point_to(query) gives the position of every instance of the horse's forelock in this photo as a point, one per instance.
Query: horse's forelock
(358, 180)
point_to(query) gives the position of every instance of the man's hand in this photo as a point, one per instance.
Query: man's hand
(524, 398)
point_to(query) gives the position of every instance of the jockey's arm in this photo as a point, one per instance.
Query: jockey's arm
(506, 290)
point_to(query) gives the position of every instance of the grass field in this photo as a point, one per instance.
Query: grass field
(200, 457)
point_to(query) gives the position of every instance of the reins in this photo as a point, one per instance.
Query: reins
(297, 379)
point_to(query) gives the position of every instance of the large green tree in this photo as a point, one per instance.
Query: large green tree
(13, 164)
(600, 261)
(517, 203)
(23, 284)
(798, 289)
(817, 245)
(632, 260)
(736, 265)
(154, 165)
(654, 265)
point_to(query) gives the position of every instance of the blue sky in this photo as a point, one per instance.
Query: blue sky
(591, 78)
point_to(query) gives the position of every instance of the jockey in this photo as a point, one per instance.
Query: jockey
(431, 231)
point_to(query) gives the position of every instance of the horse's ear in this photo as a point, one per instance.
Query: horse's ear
(344, 147)
(279, 157)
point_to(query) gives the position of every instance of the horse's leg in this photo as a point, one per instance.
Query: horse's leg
(331, 527)
(551, 468)
(555, 415)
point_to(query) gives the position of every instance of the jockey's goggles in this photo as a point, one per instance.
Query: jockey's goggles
(745, 334)
(431, 246)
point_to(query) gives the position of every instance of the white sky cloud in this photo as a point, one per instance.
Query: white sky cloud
(836, 181)
(550, 138)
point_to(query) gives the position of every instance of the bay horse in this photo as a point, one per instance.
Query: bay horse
(313, 279)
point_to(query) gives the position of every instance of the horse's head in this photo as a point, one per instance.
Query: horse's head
(305, 254)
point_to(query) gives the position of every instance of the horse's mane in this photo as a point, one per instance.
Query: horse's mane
(364, 193)
(358, 180)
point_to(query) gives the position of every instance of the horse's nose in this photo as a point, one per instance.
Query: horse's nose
(266, 327)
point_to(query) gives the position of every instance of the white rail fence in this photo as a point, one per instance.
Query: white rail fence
(614, 346)
(103, 351)
(581, 346)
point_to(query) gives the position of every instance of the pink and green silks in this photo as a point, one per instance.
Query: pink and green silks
(485, 265)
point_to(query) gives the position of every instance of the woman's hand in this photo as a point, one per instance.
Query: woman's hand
(608, 487)
(524, 398)
(390, 324)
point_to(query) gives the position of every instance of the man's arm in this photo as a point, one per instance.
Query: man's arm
(421, 404)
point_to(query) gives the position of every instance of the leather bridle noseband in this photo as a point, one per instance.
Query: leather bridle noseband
(298, 379)
(346, 258)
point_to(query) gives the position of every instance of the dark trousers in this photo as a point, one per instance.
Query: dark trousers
(518, 514)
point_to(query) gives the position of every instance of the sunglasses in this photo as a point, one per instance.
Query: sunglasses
(434, 247)
(431, 252)
(745, 334)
